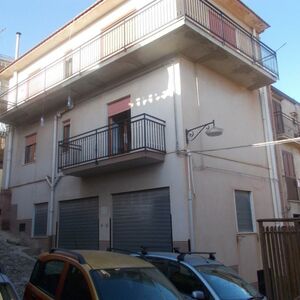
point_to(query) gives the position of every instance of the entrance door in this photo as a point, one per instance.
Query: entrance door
(142, 218)
(79, 224)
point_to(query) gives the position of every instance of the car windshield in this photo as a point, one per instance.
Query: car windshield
(227, 284)
(133, 284)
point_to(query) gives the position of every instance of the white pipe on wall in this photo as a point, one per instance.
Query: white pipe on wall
(274, 181)
(11, 129)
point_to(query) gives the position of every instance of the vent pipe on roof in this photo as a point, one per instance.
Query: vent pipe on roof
(17, 50)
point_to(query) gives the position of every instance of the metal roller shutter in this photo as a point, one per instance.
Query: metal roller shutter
(142, 219)
(79, 224)
(40, 219)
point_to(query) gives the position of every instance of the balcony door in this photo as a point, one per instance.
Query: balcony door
(119, 127)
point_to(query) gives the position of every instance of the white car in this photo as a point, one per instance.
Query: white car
(7, 290)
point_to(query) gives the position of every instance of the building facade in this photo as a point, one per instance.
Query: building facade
(286, 126)
(102, 152)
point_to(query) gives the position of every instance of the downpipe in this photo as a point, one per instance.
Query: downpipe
(270, 153)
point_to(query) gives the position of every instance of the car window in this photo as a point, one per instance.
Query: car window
(160, 264)
(75, 286)
(46, 276)
(133, 284)
(226, 283)
(185, 280)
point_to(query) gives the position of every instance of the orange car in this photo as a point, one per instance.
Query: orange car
(91, 275)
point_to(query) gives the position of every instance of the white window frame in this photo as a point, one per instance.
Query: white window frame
(252, 212)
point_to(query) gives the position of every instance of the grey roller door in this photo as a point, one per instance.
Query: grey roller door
(142, 219)
(79, 224)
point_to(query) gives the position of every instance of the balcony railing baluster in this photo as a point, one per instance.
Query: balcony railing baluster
(138, 133)
(286, 125)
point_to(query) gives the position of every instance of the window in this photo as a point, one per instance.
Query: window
(75, 287)
(46, 276)
(68, 66)
(40, 219)
(290, 175)
(22, 227)
(30, 148)
(66, 134)
(244, 211)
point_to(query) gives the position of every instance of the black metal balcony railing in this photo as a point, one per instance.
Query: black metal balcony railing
(286, 125)
(139, 133)
(130, 31)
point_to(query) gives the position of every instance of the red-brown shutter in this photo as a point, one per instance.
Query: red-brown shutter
(31, 139)
(119, 106)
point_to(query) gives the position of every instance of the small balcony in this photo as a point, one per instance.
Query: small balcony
(193, 28)
(286, 127)
(134, 142)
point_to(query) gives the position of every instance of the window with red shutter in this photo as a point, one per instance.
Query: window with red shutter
(290, 175)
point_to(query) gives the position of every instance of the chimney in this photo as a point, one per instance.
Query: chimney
(18, 35)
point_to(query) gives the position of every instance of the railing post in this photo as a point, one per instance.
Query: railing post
(96, 147)
(144, 118)
(181, 7)
(222, 26)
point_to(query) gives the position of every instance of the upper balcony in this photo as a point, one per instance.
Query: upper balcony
(129, 143)
(286, 127)
(163, 28)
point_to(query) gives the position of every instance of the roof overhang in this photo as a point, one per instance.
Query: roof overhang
(243, 13)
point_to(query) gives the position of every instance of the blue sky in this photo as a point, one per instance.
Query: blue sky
(36, 19)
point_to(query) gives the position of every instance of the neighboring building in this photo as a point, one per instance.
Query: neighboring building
(4, 62)
(286, 124)
(100, 111)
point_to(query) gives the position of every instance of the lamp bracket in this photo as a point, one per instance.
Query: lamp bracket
(191, 134)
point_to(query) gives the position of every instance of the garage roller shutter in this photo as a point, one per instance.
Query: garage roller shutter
(142, 219)
(79, 224)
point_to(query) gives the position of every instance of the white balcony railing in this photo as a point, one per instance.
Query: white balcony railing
(138, 26)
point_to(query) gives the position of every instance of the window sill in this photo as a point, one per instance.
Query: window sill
(39, 237)
(29, 163)
(241, 234)
(294, 201)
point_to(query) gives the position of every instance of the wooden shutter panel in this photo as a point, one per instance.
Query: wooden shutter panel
(31, 139)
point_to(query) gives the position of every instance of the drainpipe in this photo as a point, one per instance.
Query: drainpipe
(274, 181)
(175, 108)
(11, 129)
(190, 198)
(52, 182)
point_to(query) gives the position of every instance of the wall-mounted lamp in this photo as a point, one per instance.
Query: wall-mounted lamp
(211, 130)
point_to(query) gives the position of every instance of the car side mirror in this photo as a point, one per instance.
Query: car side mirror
(199, 295)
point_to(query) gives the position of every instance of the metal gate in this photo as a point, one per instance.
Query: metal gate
(280, 247)
(79, 224)
(142, 219)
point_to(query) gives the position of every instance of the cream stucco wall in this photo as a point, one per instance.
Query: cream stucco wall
(218, 173)
(150, 93)
(169, 89)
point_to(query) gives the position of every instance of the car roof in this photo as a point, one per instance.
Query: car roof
(191, 259)
(103, 259)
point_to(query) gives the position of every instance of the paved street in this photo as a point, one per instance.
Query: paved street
(15, 263)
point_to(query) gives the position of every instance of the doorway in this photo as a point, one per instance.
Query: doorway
(119, 133)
